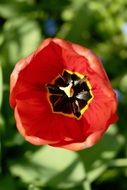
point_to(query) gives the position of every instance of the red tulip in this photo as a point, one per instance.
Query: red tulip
(62, 96)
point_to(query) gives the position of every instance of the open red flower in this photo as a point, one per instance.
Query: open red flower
(62, 96)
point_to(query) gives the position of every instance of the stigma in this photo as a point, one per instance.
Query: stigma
(68, 90)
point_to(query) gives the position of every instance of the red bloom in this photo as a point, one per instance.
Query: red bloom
(62, 96)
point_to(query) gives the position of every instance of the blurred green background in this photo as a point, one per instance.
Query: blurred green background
(96, 24)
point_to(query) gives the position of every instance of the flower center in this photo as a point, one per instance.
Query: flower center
(68, 90)
(70, 94)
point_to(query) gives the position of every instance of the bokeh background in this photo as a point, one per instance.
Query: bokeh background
(96, 24)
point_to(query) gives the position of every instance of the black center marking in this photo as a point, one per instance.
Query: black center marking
(69, 94)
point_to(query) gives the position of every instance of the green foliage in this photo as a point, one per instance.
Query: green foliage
(101, 26)
(1, 85)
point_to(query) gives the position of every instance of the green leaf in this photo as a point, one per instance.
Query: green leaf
(1, 86)
(97, 158)
(13, 9)
(30, 37)
(48, 166)
(22, 37)
(7, 183)
(123, 83)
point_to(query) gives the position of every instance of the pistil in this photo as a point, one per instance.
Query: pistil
(68, 90)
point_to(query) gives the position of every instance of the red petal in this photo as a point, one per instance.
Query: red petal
(90, 141)
(71, 60)
(32, 109)
(35, 119)
(94, 62)
(35, 69)
(43, 44)
(15, 85)
(100, 110)
(32, 139)
(75, 63)
(45, 65)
